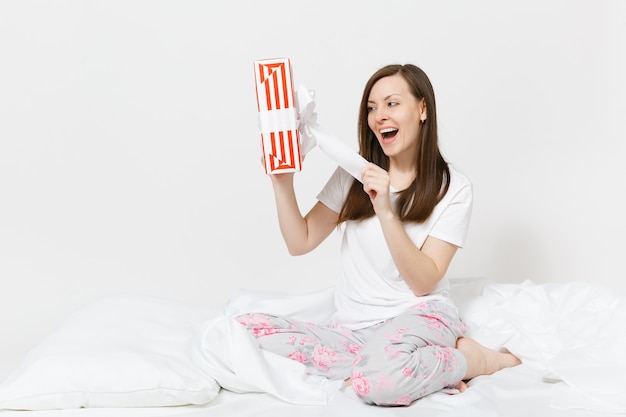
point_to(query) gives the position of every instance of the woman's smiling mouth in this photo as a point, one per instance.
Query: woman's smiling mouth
(388, 134)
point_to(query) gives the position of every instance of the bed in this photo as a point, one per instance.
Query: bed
(134, 355)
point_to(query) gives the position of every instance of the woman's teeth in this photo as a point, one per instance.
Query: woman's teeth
(386, 133)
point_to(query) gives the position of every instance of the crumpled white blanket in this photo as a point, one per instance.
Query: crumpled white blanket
(224, 349)
(571, 333)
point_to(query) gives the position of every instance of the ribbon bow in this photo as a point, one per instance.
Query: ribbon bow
(311, 136)
(307, 118)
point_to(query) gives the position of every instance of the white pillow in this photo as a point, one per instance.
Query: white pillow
(120, 351)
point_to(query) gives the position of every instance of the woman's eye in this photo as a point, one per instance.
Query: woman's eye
(392, 103)
(370, 108)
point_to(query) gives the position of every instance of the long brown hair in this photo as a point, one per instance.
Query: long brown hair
(432, 177)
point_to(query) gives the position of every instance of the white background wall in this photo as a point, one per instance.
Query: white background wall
(129, 144)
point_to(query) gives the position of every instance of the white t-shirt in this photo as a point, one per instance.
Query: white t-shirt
(370, 289)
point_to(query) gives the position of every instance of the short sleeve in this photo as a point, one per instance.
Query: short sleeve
(336, 190)
(454, 220)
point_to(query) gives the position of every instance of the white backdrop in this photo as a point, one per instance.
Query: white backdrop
(129, 144)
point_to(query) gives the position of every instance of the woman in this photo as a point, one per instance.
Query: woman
(396, 334)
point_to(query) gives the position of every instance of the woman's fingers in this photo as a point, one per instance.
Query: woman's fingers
(374, 178)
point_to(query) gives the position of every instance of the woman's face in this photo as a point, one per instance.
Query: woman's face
(395, 116)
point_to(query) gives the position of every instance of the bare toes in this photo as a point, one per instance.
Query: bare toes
(461, 386)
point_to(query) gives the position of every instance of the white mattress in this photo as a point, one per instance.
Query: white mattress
(569, 336)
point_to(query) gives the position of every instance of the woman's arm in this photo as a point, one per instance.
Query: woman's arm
(421, 268)
(302, 234)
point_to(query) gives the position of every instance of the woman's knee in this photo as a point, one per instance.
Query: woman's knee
(381, 390)
(386, 384)
(401, 379)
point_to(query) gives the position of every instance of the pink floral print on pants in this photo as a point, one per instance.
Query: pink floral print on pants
(393, 363)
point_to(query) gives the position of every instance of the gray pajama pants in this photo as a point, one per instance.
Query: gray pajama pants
(392, 363)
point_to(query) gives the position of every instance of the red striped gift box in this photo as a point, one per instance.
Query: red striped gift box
(278, 117)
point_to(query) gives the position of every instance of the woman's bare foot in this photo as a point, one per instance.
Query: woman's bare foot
(461, 386)
(482, 360)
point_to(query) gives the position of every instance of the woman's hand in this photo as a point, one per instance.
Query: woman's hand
(283, 179)
(376, 184)
(280, 179)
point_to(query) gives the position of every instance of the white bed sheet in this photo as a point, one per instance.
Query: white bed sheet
(569, 336)
(512, 393)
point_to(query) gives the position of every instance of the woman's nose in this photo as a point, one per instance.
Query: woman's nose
(381, 114)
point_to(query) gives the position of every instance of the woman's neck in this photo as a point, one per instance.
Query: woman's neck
(401, 176)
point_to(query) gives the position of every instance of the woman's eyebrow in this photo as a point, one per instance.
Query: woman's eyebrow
(386, 97)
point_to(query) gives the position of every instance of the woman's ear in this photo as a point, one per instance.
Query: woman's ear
(423, 112)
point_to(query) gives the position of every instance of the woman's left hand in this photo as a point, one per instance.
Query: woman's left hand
(376, 184)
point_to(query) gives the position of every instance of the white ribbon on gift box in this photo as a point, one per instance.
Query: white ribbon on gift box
(311, 136)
